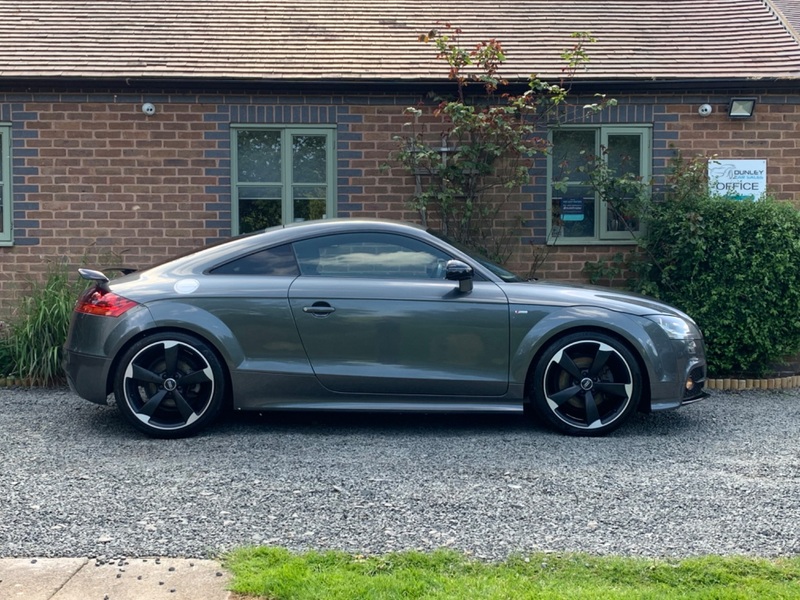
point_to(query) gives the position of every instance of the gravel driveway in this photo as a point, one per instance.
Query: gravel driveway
(722, 476)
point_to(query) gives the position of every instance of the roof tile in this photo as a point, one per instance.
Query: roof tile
(377, 40)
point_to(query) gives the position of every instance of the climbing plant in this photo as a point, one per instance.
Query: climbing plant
(486, 141)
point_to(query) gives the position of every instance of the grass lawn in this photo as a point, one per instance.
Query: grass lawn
(277, 574)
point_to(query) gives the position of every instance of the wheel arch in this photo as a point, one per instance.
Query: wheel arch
(637, 351)
(159, 329)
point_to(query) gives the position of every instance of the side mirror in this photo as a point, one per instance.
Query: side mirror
(455, 270)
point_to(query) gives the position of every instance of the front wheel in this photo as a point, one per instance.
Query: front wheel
(586, 384)
(169, 385)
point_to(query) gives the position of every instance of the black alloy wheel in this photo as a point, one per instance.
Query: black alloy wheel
(586, 384)
(169, 385)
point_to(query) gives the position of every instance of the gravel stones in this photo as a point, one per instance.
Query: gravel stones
(721, 476)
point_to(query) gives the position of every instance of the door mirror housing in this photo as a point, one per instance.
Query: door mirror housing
(456, 270)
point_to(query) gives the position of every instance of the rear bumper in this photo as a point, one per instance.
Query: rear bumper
(91, 344)
(86, 376)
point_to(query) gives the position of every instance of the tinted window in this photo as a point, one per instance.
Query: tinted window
(272, 261)
(376, 255)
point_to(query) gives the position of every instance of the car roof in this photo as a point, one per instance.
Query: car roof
(204, 258)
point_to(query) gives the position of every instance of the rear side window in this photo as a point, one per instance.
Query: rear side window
(277, 261)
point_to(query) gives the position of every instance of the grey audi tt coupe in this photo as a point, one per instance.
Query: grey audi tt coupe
(348, 314)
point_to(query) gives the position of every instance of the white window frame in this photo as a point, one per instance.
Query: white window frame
(601, 233)
(287, 203)
(6, 235)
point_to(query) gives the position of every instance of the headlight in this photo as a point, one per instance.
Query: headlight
(675, 327)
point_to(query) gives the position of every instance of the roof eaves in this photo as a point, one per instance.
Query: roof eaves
(407, 86)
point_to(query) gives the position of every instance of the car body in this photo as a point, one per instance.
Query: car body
(356, 314)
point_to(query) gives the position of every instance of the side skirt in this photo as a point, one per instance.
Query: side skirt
(394, 406)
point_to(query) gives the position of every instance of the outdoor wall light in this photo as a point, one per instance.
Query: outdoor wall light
(741, 108)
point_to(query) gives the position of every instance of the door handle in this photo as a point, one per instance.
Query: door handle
(319, 309)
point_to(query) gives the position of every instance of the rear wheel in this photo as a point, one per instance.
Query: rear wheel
(169, 385)
(586, 384)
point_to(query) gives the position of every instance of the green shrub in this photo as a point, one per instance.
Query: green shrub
(6, 360)
(30, 348)
(735, 268)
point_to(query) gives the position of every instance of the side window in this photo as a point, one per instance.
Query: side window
(272, 261)
(281, 175)
(370, 255)
(5, 186)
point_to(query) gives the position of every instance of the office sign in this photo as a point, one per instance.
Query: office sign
(738, 179)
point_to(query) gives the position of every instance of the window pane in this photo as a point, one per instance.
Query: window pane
(309, 163)
(258, 214)
(574, 212)
(2, 191)
(260, 192)
(624, 158)
(309, 202)
(370, 255)
(571, 150)
(624, 155)
(259, 156)
(272, 261)
(5, 193)
(616, 220)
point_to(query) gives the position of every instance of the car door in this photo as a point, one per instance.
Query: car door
(376, 316)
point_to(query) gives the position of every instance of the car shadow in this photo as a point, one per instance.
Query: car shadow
(384, 423)
(107, 422)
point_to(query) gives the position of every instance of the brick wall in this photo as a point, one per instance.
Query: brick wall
(96, 178)
(772, 134)
(98, 182)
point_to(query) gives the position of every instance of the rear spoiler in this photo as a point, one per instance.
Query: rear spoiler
(100, 277)
(93, 275)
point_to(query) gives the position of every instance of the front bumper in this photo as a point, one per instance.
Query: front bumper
(684, 384)
(697, 379)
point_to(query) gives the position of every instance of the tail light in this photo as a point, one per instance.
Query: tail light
(98, 301)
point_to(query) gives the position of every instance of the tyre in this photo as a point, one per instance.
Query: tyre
(586, 384)
(169, 385)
